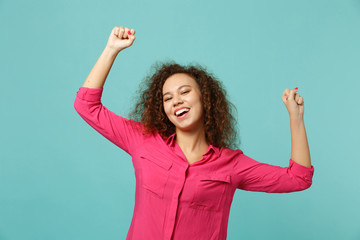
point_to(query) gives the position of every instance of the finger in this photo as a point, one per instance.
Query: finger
(115, 31)
(126, 32)
(297, 96)
(285, 94)
(121, 32)
(301, 101)
(132, 32)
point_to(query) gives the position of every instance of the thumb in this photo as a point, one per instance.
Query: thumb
(131, 35)
(131, 39)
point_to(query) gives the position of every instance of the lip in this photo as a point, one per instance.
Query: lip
(179, 109)
(183, 116)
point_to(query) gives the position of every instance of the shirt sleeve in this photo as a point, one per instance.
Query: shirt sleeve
(123, 132)
(261, 177)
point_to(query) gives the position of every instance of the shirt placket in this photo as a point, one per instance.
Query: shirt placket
(181, 171)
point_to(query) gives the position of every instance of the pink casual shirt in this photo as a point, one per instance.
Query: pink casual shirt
(177, 200)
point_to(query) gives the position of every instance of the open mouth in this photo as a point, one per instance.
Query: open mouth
(182, 113)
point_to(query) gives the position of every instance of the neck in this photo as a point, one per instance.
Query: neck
(193, 141)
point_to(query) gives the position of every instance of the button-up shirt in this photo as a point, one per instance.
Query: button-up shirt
(177, 200)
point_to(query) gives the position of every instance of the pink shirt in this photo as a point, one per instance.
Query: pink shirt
(177, 200)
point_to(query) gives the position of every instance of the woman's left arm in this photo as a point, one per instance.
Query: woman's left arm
(294, 103)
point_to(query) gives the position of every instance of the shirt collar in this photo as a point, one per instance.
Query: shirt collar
(171, 141)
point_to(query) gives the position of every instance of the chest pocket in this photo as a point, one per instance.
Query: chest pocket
(155, 174)
(209, 192)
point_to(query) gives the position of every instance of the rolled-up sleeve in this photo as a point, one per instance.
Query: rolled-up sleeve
(123, 132)
(261, 177)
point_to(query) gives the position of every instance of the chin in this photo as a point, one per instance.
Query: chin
(187, 128)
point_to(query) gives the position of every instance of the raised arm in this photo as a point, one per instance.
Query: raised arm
(119, 39)
(252, 175)
(300, 152)
(121, 131)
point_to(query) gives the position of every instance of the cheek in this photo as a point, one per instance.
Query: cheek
(201, 107)
(199, 103)
(166, 109)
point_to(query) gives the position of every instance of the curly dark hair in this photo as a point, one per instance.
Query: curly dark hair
(219, 121)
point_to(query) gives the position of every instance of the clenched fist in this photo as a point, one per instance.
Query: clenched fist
(294, 103)
(121, 38)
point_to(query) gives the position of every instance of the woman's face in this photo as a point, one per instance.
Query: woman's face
(182, 102)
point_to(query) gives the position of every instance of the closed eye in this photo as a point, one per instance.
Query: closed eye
(181, 93)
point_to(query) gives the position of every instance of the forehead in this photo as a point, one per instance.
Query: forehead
(177, 80)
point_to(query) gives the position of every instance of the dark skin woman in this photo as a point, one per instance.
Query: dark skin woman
(182, 139)
(208, 121)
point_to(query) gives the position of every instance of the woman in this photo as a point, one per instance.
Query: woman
(186, 173)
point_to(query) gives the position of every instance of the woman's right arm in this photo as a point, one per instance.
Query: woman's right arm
(119, 39)
(122, 132)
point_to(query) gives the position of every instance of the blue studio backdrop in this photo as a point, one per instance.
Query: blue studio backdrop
(60, 179)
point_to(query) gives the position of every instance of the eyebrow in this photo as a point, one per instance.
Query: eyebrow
(178, 88)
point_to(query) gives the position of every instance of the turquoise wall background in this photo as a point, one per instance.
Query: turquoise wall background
(60, 179)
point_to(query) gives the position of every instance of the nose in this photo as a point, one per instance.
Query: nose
(177, 100)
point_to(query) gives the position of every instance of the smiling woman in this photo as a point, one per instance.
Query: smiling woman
(172, 87)
(182, 142)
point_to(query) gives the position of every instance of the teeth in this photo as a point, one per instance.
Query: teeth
(181, 111)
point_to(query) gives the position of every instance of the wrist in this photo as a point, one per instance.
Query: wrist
(296, 117)
(296, 121)
(110, 51)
